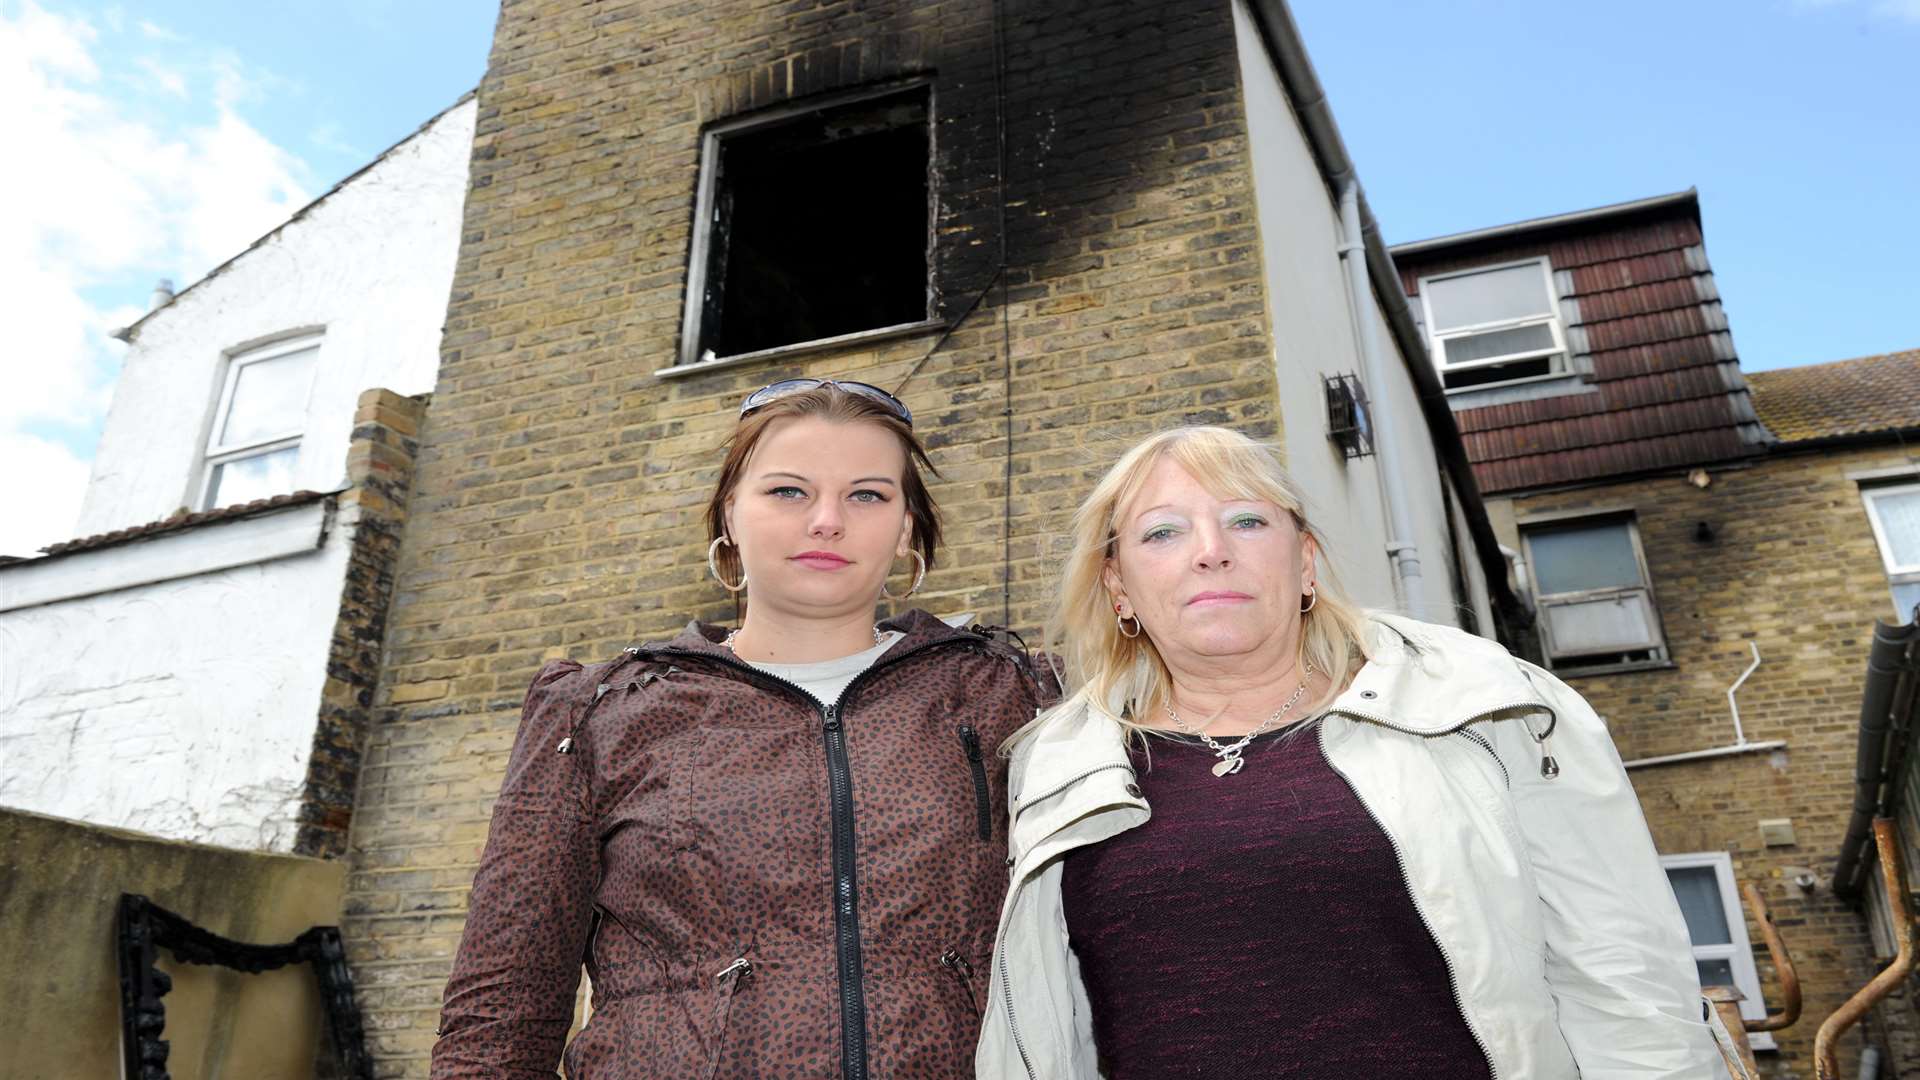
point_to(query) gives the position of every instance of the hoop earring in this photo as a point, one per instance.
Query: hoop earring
(919, 576)
(1122, 624)
(714, 568)
(1313, 597)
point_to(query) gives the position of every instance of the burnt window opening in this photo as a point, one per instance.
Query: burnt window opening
(818, 225)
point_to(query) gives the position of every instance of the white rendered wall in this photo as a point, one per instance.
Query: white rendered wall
(184, 708)
(1314, 336)
(370, 266)
(183, 702)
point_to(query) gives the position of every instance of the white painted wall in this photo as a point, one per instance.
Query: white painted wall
(370, 266)
(173, 685)
(1314, 335)
(184, 708)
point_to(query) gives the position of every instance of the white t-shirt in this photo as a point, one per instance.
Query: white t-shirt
(825, 679)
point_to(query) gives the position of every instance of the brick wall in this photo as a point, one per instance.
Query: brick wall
(1792, 568)
(556, 504)
(379, 477)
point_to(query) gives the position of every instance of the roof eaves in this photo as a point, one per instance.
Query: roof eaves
(1549, 223)
(179, 522)
(128, 332)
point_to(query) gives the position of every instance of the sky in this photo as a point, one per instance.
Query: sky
(156, 141)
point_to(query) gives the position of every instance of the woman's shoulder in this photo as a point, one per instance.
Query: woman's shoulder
(1392, 633)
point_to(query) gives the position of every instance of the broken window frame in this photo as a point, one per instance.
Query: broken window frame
(1556, 355)
(218, 453)
(1581, 663)
(696, 304)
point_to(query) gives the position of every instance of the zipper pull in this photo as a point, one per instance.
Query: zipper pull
(739, 969)
(971, 740)
(830, 717)
(1549, 768)
(953, 961)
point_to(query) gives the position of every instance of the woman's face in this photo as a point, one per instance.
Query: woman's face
(819, 514)
(1208, 578)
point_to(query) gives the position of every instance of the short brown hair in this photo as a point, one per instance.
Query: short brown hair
(827, 402)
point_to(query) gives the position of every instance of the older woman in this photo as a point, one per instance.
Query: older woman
(1365, 857)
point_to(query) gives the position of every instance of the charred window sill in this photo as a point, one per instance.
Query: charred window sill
(802, 348)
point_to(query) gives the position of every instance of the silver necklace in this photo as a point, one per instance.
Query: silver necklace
(1229, 754)
(878, 637)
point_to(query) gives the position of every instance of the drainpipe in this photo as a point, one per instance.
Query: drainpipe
(1392, 472)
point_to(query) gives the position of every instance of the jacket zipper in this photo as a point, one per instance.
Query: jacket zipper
(982, 794)
(846, 905)
(846, 901)
(1406, 881)
(1481, 741)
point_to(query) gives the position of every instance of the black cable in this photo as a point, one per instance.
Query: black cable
(1006, 326)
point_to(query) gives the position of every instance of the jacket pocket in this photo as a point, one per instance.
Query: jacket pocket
(982, 793)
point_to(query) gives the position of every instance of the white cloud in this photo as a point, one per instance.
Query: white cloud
(102, 189)
(47, 477)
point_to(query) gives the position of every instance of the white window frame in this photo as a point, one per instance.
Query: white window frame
(1437, 339)
(217, 453)
(1739, 953)
(1897, 573)
(694, 305)
(1657, 643)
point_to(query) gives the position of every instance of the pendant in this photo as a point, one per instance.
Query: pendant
(1228, 766)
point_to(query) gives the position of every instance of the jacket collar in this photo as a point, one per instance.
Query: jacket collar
(1430, 679)
(1422, 678)
(918, 627)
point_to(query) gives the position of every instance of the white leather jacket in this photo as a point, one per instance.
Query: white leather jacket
(1568, 953)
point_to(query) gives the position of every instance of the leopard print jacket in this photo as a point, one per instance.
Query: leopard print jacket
(755, 885)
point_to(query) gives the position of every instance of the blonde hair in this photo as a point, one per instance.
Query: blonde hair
(1125, 676)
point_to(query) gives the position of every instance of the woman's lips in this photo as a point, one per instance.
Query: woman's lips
(820, 560)
(1211, 599)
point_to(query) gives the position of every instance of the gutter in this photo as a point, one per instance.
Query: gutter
(1282, 40)
(1888, 705)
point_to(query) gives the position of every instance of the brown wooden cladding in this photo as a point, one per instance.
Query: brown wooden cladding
(1664, 389)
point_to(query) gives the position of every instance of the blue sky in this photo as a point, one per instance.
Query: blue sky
(160, 140)
(1799, 122)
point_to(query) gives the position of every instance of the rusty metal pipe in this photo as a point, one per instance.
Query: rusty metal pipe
(1886, 838)
(1782, 963)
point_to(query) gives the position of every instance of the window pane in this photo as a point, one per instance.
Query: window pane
(1698, 890)
(1715, 973)
(1464, 350)
(258, 477)
(1583, 557)
(1899, 514)
(1619, 623)
(1512, 293)
(269, 398)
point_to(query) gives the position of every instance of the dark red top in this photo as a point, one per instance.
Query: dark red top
(1259, 926)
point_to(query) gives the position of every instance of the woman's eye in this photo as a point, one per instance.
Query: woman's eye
(1156, 534)
(866, 496)
(1247, 521)
(787, 492)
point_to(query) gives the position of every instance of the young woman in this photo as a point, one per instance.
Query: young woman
(774, 848)
(1377, 847)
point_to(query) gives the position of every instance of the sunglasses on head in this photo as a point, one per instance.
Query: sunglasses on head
(775, 391)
